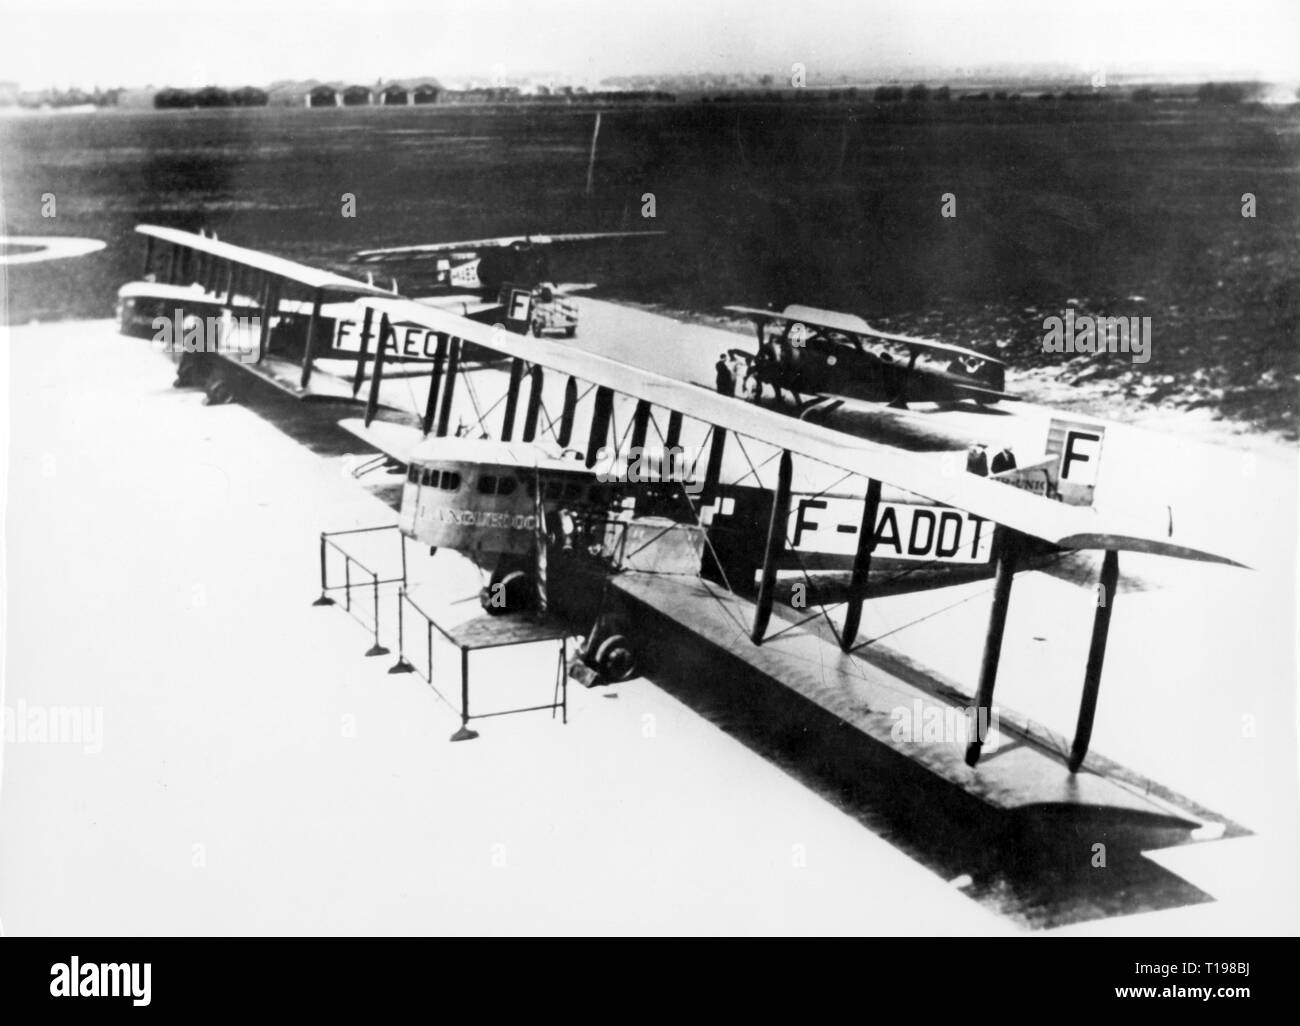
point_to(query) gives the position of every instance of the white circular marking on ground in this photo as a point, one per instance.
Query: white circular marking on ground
(48, 248)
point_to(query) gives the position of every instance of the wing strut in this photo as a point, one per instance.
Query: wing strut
(435, 380)
(601, 413)
(270, 309)
(264, 316)
(713, 469)
(377, 375)
(1096, 656)
(449, 390)
(640, 425)
(674, 436)
(363, 350)
(534, 402)
(566, 415)
(776, 529)
(1008, 552)
(311, 338)
(861, 566)
(512, 398)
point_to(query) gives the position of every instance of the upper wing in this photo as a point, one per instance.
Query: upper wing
(930, 344)
(277, 266)
(401, 254)
(340, 378)
(1069, 527)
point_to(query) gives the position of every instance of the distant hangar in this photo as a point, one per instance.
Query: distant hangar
(397, 92)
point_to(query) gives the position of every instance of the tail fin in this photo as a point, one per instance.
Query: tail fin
(1076, 447)
(516, 307)
(1068, 473)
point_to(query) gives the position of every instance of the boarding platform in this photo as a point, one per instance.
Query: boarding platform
(364, 571)
(477, 634)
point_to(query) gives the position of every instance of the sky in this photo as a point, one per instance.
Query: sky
(236, 42)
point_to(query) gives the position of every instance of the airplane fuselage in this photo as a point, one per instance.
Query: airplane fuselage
(495, 501)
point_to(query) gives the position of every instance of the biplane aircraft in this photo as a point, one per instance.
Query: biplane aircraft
(482, 270)
(808, 351)
(218, 284)
(581, 478)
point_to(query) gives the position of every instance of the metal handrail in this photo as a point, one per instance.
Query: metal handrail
(559, 700)
(327, 542)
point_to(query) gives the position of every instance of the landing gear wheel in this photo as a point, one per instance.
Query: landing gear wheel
(615, 660)
(217, 392)
(510, 592)
(186, 371)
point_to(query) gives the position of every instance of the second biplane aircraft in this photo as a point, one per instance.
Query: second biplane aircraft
(815, 352)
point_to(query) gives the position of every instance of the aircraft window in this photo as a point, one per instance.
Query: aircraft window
(487, 484)
(413, 474)
(450, 481)
(427, 477)
(506, 486)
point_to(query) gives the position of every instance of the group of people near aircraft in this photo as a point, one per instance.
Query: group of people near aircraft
(734, 371)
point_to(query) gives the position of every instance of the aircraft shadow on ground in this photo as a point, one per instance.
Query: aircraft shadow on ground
(313, 425)
(1038, 869)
